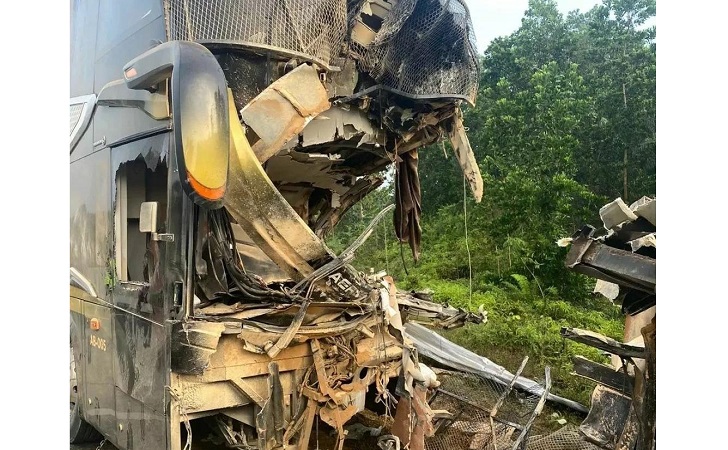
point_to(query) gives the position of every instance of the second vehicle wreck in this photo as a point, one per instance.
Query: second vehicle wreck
(219, 306)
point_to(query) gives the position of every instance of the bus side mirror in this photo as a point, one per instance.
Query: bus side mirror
(148, 222)
(199, 105)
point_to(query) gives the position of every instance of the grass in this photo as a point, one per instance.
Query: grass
(521, 323)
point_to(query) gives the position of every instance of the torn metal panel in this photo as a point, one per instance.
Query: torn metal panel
(305, 170)
(442, 316)
(646, 207)
(590, 257)
(602, 342)
(607, 289)
(615, 213)
(607, 417)
(330, 216)
(339, 123)
(604, 375)
(264, 213)
(413, 419)
(465, 156)
(294, 99)
(432, 345)
(193, 343)
(649, 240)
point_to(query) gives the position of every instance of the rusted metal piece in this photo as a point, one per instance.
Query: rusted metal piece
(413, 419)
(602, 342)
(310, 415)
(465, 156)
(318, 361)
(589, 257)
(293, 100)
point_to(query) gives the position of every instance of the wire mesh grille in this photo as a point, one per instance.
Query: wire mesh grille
(472, 400)
(517, 406)
(313, 28)
(471, 431)
(76, 110)
(423, 48)
(566, 438)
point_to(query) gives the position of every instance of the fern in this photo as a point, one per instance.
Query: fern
(523, 284)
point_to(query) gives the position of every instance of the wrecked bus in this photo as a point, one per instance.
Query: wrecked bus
(212, 147)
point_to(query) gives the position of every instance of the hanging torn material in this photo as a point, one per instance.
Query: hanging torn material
(465, 156)
(408, 202)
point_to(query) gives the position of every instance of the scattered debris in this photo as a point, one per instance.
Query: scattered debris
(622, 413)
(430, 344)
(343, 92)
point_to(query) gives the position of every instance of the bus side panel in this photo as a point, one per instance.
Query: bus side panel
(90, 251)
(99, 408)
(91, 219)
(140, 427)
(139, 370)
(139, 334)
(84, 20)
(126, 30)
(78, 339)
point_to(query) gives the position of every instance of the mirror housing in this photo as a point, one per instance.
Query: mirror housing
(199, 104)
